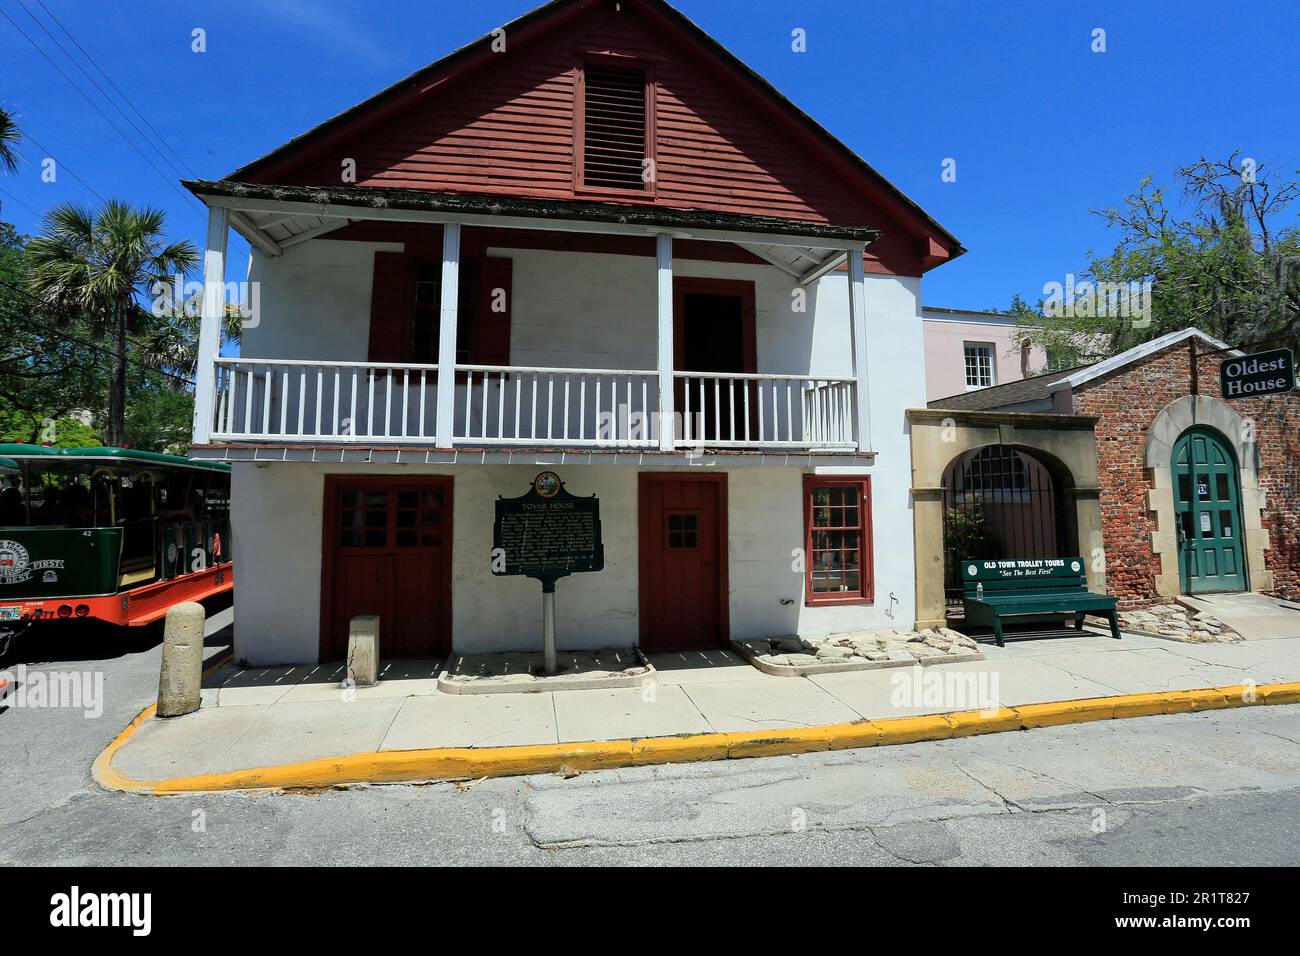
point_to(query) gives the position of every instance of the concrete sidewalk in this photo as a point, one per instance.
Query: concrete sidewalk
(276, 716)
(1255, 617)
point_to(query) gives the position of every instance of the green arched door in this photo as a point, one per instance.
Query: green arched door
(1207, 500)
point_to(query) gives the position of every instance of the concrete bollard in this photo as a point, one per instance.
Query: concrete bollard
(363, 650)
(182, 661)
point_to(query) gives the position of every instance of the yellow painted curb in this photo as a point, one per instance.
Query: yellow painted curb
(911, 730)
(776, 743)
(459, 763)
(1280, 693)
(1058, 713)
(993, 721)
(684, 749)
(102, 770)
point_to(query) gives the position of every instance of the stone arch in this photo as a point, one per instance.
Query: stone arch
(1022, 493)
(1063, 443)
(1165, 429)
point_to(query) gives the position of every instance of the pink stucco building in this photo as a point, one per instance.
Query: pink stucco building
(966, 350)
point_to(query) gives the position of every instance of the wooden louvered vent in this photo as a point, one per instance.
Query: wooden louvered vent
(614, 128)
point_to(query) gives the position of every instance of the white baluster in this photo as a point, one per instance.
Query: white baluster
(424, 382)
(406, 399)
(334, 415)
(501, 405)
(469, 401)
(370, 405)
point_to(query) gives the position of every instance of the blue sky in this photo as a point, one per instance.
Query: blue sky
(1042, 129)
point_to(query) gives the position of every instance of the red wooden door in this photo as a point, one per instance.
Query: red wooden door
(388, 552)
(683, 581)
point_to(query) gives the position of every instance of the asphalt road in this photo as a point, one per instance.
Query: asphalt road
(1216, 788)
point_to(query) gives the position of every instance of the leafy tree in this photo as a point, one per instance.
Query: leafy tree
(46, 374)
(10, 137)
(91, 266)
(172, 339)
(1225, 259)
(160, 414)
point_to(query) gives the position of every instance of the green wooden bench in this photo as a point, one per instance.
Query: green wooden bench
(1031, 591)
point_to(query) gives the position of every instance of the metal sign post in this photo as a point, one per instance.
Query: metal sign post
(547, 534)
(548, 625)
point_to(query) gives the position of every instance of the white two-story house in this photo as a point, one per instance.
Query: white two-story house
(592, 243)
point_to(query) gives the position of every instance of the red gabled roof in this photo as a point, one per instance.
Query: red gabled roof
(824, 177)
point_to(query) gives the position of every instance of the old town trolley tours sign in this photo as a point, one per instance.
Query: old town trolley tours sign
(547, 534)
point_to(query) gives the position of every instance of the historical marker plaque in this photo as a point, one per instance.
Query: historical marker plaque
(547, 533)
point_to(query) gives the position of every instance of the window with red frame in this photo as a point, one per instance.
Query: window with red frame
(837, 540)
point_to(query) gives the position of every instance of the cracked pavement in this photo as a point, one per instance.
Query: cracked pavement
(1216, 788)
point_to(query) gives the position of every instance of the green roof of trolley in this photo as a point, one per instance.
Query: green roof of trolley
(8, 464)
(16, 451)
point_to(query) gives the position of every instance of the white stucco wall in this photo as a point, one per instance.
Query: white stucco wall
(597, 311)
(314, 301)
(278, 547)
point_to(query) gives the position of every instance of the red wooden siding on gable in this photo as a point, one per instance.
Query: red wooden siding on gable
(510, 129)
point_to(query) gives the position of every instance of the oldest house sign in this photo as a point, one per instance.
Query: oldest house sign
(1264, 373)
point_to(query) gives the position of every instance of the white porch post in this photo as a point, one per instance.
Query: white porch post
(858, 323)
(447, 334)
(664, 255)
(214, 300)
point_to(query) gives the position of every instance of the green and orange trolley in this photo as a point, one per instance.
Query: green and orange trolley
(111, 534)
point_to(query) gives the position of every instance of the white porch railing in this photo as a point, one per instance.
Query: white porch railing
(295, 400)
(735, 410)
(501, 405)
(346, 402)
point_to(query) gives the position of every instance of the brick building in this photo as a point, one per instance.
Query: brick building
(1197, 493)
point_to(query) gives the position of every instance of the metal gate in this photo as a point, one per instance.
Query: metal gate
(998, 502)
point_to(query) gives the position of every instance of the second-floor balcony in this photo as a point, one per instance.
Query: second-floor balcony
(406, 320)
(298, 401)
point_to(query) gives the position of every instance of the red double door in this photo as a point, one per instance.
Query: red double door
(387, 551)
(683, 576)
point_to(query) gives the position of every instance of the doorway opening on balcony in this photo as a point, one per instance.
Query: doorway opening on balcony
(714, 335)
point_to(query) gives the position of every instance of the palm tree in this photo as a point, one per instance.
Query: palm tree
(92, 265)
(10, 137)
